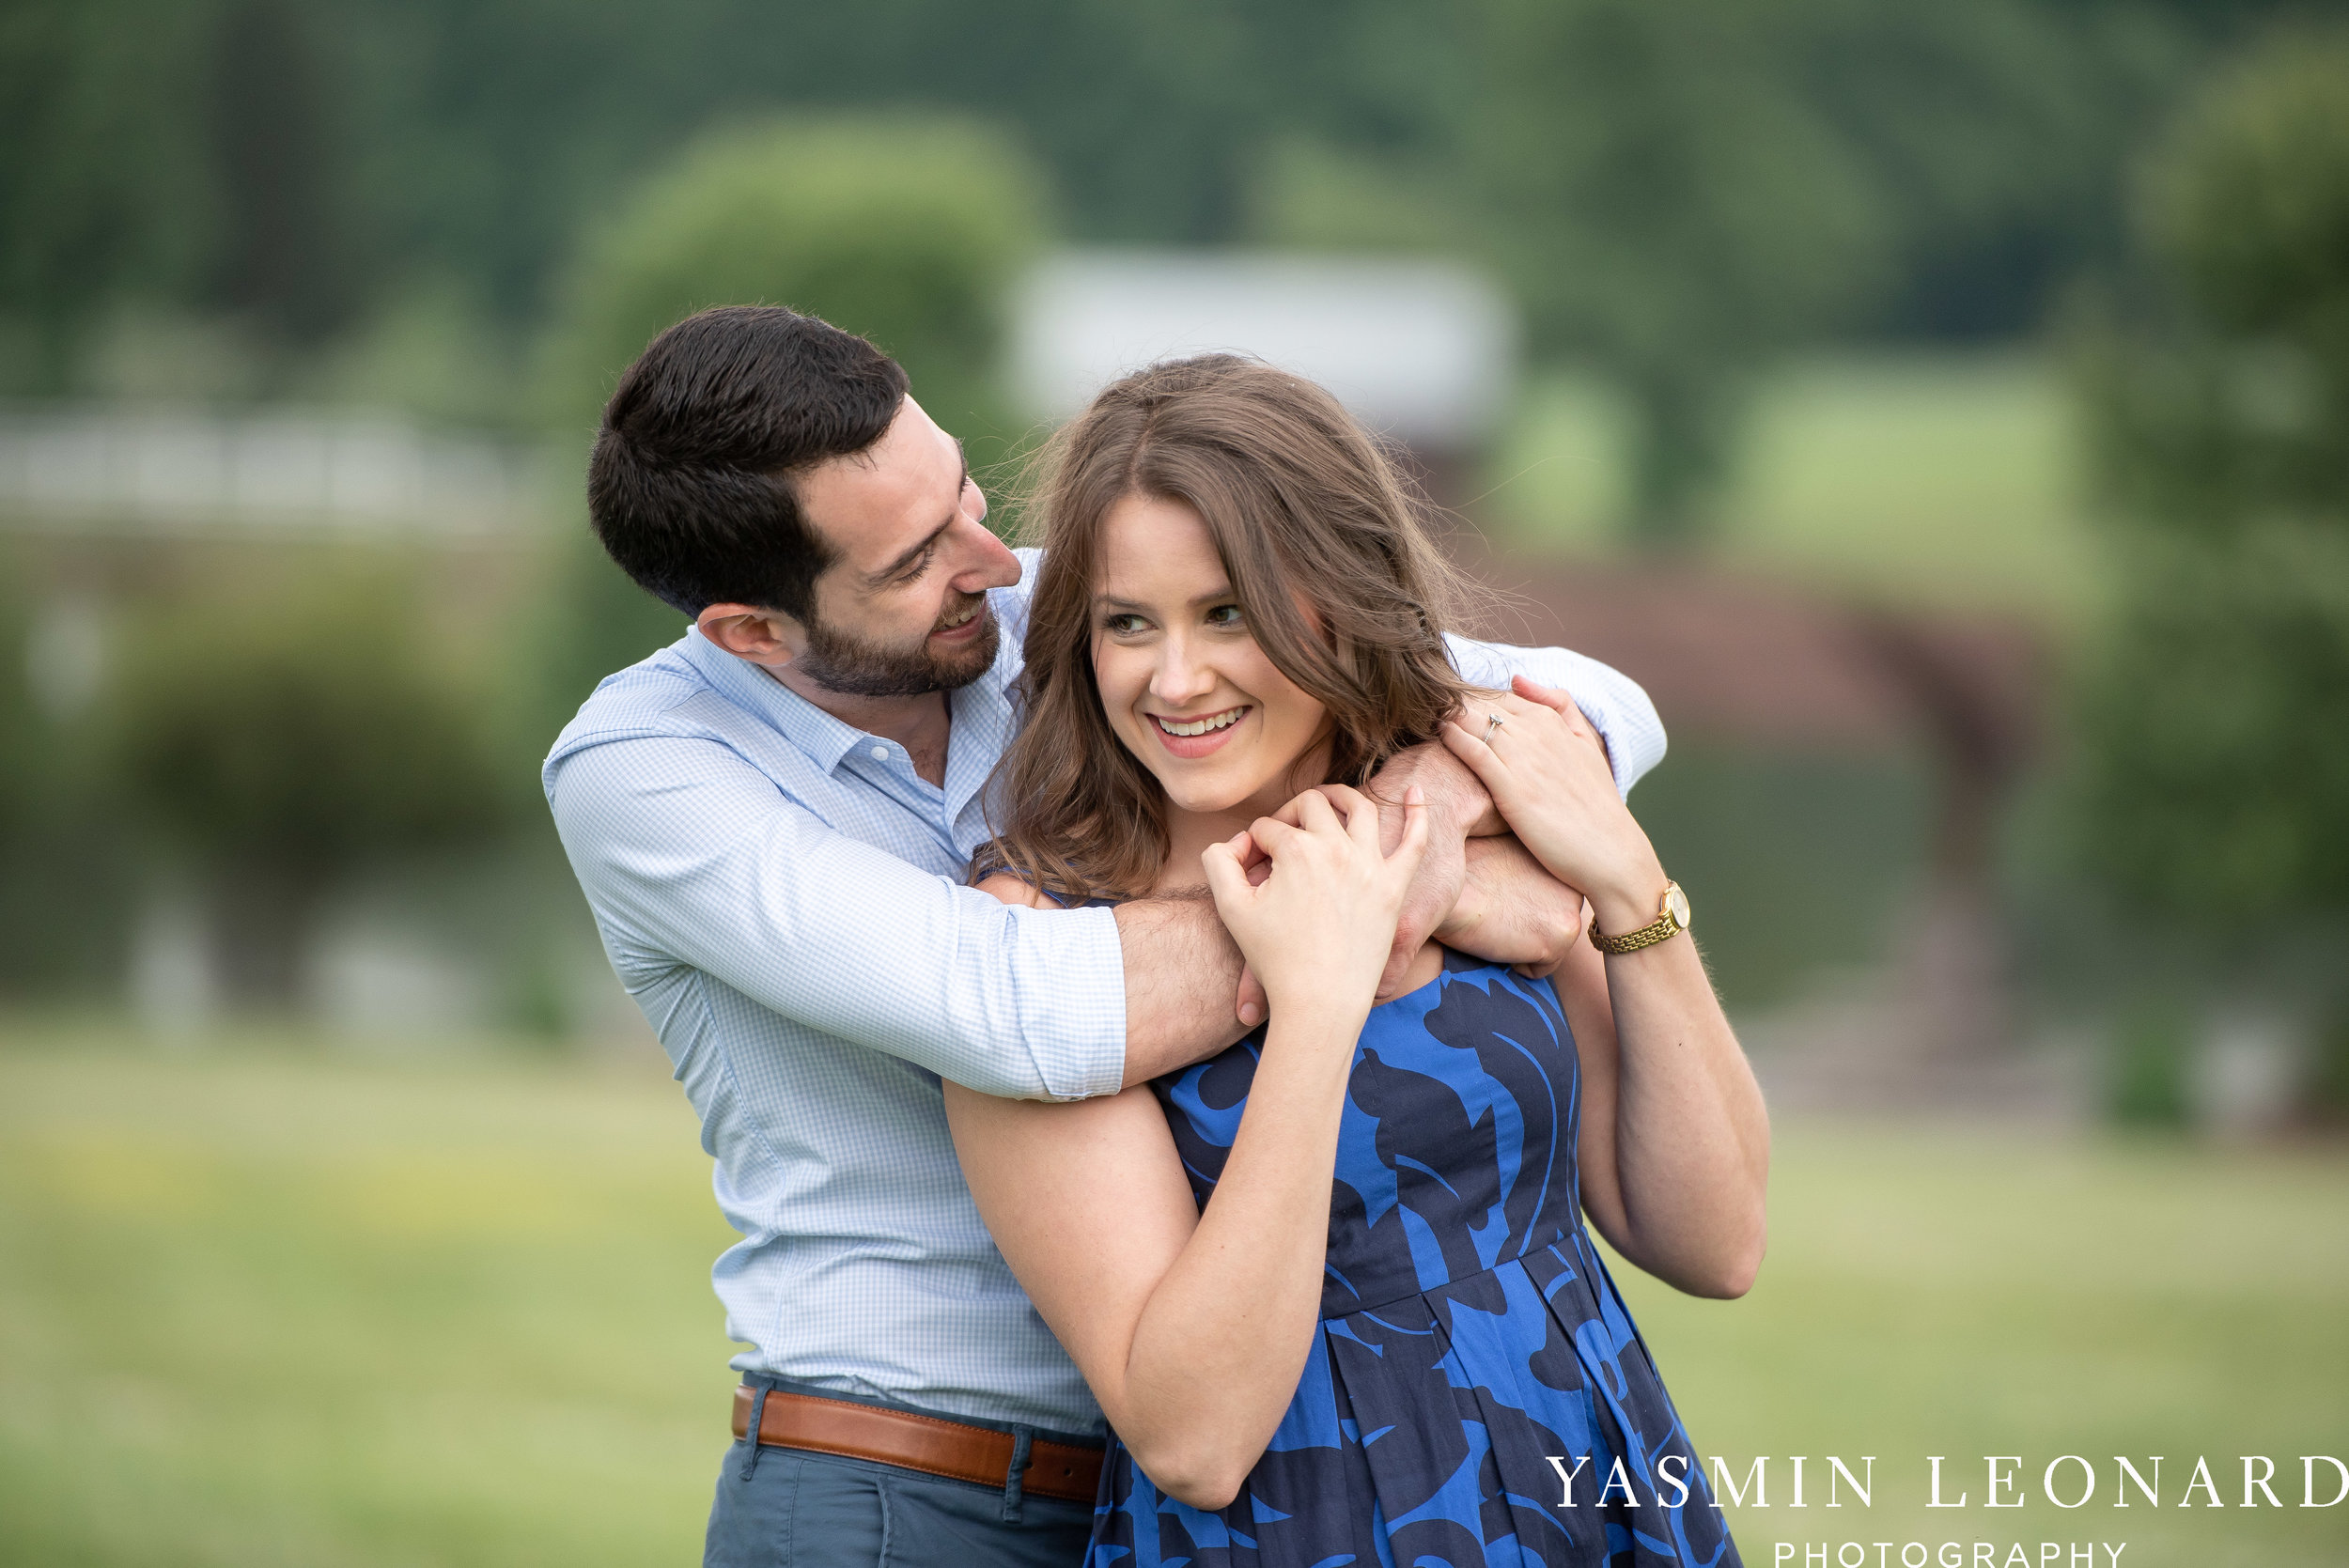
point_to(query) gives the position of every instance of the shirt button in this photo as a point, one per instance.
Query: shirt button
(880, 753)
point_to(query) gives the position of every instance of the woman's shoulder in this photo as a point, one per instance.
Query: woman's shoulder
(1011, 888)
(1008, 887)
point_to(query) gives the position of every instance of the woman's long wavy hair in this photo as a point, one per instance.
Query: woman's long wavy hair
(1327, 555)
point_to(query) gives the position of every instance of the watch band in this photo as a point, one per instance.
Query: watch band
(1665, 925)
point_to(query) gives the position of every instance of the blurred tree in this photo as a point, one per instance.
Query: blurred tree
(67, 878)
(288, 254)
(309, 163)
(281, 748)
(1682, 189)
(909, 231)
(1668, 204)
(2218, 723)
(104, 185)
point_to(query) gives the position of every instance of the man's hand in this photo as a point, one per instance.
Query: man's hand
(1512, 910)
(1457, 809)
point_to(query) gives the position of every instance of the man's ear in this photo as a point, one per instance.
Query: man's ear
(760, 636)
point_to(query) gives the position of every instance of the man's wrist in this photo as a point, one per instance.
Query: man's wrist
(1457, 802)
(1469, 911)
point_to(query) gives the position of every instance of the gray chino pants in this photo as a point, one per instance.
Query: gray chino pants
(786, 1507)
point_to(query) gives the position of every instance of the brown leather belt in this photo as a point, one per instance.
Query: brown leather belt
(925, 1443)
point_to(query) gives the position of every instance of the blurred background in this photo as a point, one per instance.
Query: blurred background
(1944, 410)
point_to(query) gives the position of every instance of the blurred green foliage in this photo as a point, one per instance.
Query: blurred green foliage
(2150, 1066)
(907, 230)
(281, 746)
(1682, 189)
(67, 877)
(2219, 725)
(1679, 190)
(2215, 725)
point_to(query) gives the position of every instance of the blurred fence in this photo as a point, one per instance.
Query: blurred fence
(105, 469)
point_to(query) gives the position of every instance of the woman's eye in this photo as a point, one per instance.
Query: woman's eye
(1123, 625)
(1224, 615)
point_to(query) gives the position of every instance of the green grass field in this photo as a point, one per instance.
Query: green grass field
(1949, 478)
(280, 1306)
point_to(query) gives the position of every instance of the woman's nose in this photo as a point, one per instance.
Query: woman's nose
(1179, 677)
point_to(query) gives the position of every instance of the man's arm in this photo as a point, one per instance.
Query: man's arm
(1182, 969)
(1615, 706)
(691, 856)
(1511, 915)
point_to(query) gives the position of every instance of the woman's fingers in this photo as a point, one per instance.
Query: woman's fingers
(1227, 882)
(1315, 814)
(1275, 837)
(1555, 698)
(1358, 811)
(1469, 748)
(1404, 862)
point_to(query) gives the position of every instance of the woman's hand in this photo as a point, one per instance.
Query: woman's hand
(1317, 929)
(1548, 776)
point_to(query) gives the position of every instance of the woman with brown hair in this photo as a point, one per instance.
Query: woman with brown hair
(1332, 1287)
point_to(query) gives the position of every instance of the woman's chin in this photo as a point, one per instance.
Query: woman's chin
(1202, 798)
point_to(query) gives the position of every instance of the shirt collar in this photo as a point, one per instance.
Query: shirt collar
(823, 737)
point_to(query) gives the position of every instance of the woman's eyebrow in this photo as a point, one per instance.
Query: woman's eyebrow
(1110, 601)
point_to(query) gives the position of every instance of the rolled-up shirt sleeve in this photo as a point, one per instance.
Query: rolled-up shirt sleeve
(1610, 700)
(689, 856)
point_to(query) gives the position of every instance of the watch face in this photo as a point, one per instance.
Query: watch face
(1677, 903)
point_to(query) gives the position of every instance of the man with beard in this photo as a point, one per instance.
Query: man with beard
(772, 819)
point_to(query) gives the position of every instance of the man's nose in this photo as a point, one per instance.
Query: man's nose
(989, 563)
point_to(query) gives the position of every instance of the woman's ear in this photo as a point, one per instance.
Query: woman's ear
(760, 636)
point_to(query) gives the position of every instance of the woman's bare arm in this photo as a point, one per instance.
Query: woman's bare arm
(1674, 1148)
(1675, 1139)
(1192, 1327)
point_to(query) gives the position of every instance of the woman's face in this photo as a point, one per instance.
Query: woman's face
(1181, 677)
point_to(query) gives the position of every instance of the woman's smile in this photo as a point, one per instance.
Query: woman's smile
(1198, 737)
(1183, 682)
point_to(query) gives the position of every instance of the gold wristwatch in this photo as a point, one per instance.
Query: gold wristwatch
(1671, 920)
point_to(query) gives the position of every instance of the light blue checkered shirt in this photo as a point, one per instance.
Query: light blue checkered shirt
(781, 895)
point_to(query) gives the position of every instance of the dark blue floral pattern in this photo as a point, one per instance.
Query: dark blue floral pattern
(1477, 1393)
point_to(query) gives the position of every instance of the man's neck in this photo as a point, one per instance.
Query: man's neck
(919, 723)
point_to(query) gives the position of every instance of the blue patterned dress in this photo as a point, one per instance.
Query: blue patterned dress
(1471, 1346)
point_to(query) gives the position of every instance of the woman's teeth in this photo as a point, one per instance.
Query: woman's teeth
(1199, 726)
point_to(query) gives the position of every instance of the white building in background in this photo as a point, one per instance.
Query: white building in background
(1423, 351)
(113, 470)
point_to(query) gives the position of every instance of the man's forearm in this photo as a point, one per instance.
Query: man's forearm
(1456, 801)
(1182, 974)
(1512, 910)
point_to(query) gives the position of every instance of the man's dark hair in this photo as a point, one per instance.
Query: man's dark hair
(690, 484)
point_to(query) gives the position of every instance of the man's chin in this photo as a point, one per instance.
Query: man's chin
(853, 670)
(974, 659)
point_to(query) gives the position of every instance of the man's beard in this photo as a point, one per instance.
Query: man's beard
(839, 663)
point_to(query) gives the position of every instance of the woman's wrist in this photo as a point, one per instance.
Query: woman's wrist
(1341, 1005)
(1629, 899)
